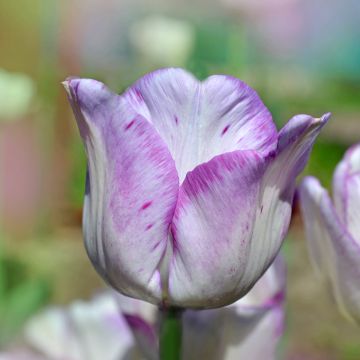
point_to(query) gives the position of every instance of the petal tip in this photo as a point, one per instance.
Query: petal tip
(309, 181)
(323, 119)
(309, 185)
(70, 83)
(319, 122)
(311, 190)
(66, 85)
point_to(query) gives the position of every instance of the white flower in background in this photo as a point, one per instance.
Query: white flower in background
(115, 327)
(162, 40)
(85, 330)
(16, 94)
(333, 231)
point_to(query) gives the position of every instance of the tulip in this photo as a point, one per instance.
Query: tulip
(333, 231)
(114, 327)
(189, 185)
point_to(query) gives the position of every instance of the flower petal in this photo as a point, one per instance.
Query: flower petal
(334, 252)
(346, 185)
(270, 288)
(238, 208)
(50, 334)
(199, 120)
(246, 329)
(224, 334)
(141, 317)
(277, 190)
(98, 325)
(212, 230)
(145, 336)
(83, 331)
(131, 190)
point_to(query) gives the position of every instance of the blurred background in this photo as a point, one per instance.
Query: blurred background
(302, 56)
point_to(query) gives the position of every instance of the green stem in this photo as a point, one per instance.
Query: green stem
(171, 334)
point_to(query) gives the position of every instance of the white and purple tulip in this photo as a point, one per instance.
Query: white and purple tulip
(115, 327)
(333, 231)
(189, 185)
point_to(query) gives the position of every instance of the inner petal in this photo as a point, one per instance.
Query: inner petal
(199, 120)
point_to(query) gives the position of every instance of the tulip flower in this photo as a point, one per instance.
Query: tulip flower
(333, 231)
(114, 327)
(189, 185)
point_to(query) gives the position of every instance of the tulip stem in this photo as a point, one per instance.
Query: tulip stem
(171, 334)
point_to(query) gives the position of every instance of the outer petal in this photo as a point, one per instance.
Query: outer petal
(141, 318)
(199, 120)
(50, 333)
(101, 329)
(269, 290)
(243, 330)
(93, 331)
(238, 216)
(346, 186)
(212, 230)
(145, 336)
(131, 189)
(333, 250)
(273, 210)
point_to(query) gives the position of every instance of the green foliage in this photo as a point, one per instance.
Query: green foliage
(219, 46)
(20, 296)
(78, 171)
(350, 351)
(323, 160)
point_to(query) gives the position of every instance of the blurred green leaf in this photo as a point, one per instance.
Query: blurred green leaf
(219, 44)
(14, 272)
(323, 160)
(2, 281)
(20, 304)
(20, 295)
(350, 351)
(78, 171)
